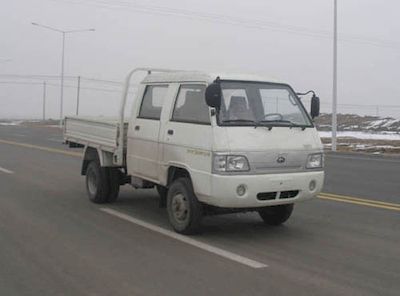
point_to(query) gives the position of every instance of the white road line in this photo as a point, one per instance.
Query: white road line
(187, 240)
(3, 170)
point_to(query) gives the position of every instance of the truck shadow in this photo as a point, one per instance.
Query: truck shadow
(144, 204)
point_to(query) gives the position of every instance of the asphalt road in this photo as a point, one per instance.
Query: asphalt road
(53, 241)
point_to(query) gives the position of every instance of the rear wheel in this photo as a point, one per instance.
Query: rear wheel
(276, 215)
(102, 184)
(184, 210)
(97, 185)
(114, 179)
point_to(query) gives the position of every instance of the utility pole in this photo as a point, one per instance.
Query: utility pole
(77, 95)
(334, 88)
(62, 80)
(62, 60)
(44, 100)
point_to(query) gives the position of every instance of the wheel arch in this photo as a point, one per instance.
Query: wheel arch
(175, 172)
(92, 153)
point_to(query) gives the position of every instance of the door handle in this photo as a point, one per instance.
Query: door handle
(170, 132)
(137, 128)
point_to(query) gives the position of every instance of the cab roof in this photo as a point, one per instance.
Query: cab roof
(193, 76)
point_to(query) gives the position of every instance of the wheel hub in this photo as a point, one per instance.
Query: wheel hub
(92, 183)
(180, 208)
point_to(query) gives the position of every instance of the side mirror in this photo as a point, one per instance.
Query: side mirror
(314, 111)
(214, 95)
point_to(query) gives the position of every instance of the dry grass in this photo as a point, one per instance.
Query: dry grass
(363, 145)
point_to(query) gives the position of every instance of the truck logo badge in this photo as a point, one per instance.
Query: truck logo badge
(280, 159)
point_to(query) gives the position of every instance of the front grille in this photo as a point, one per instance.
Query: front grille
(266, 195)
(288, 194)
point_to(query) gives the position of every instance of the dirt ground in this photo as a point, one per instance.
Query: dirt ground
(368, 146)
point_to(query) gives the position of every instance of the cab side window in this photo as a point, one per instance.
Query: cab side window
(190, 105)
(152, 102)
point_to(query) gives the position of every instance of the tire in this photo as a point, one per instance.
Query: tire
(162, 192)
(97, 184)
(114, 179)
(184, 210)
(276, 215)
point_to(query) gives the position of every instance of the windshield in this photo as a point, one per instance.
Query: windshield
(249, 103)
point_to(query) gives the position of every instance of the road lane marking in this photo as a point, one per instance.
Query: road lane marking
(325, 196)
(362, 199)
(6, 171)
(360, 203)
(53, 150)
(363, 202)
(187, 240)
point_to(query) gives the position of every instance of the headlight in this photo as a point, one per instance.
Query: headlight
(315, 161)
(230, 163)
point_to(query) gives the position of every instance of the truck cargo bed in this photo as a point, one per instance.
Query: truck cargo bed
(99, 131)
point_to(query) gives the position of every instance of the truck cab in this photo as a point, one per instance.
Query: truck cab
(211, 144)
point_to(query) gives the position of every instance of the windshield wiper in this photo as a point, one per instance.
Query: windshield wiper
(260, 123)
(291, 123)
(240, 120)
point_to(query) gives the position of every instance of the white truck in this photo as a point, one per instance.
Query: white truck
(209, 143)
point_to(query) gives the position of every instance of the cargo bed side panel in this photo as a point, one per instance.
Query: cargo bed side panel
(92, 132)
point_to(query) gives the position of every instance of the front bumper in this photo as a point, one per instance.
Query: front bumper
(224, 189)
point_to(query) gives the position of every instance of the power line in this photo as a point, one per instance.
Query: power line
(101, 80)
(57, 77)
(57, 85)
(363, 105)
(344, 105)
(41, 77)
(21, 82)
(233, 20)
(87, 88)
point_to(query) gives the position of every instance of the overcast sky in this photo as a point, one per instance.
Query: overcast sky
(286, 39)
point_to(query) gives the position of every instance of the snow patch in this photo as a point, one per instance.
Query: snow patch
(363, 135)
(10, 123)
(377, 123)
(391, 122)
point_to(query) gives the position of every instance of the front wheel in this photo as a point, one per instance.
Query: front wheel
(276, 215)
(184, 210)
